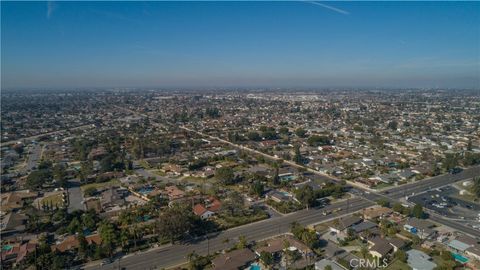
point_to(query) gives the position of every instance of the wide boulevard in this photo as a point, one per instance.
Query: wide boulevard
(172, 255)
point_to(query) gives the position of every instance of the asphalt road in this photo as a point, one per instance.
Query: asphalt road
(43, 134)
(75, 196)
(33, 158)
(176, 254)
(398, 193)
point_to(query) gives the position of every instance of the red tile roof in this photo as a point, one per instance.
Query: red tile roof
(199, 209)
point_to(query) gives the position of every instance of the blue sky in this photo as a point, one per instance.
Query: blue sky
(240, 44)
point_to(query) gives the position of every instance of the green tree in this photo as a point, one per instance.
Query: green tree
(233, 203)
(283, 130)
(401, 255)
(89, 191)
(417, 211)
(398, 207)
(225, 175)
(257, 188)
(60, 174)
(174, 222)
(450, 161)
(242, 242)
(276, 178)
(297, 158)
(393, 125)
(82, 245)
(253, 136)
(74, 226)
(306, 195)
(109, 237)
(317, 140)
(36, 179)
(476, 187)
(267, 258)
(197, 262)
(300, 132)
(364, 252)
(383, 202)
(86, 169)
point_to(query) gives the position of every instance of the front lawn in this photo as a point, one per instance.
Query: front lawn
(398, 265)
(285, 207)
(226, 221)
(54, 200)
(113, 182)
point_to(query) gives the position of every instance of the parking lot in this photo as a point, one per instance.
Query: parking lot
(442, 201)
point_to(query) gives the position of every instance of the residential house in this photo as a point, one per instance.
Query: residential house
(278, 196)
(380, 247)
(13, 223)
(378, 212)
(93, 203)
(71, 242)
(16, 253)
(208, 209)
(233, 260)
(273, 246)
(344, 223)
(15, 200)
(322, 264)
(421, 228)
(174, 193)
(112, 197)
(419, 260)
(397, 244)
(363, 226)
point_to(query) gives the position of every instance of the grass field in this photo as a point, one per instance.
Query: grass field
(398, 265)
(55, 199)
(110, 183)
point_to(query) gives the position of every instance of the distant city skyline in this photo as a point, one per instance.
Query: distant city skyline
(240, 44)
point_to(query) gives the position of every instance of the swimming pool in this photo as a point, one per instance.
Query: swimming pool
(287, 178)
(145, 190)
(255, 267)
(459, 258)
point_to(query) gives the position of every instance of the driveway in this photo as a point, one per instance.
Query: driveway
(75, 196)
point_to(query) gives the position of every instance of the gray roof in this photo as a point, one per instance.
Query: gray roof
(419, 260)
(365, 225)
(320, 265)
(383, 248)
(419, 223)
(455, 244)
(349, 221)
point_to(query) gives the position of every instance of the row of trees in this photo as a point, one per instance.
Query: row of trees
(309, 197)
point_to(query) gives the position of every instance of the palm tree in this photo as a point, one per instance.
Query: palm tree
(364, 251)
(124, 238)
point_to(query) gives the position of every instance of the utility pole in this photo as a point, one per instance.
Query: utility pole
(348, 204)
(208, 245)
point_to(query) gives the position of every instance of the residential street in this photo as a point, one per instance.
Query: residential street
(174, 255)
(75, 195)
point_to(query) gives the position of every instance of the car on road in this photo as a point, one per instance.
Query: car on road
(106, 262)
(455, 170)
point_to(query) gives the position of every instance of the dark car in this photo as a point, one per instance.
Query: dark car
(455, 170)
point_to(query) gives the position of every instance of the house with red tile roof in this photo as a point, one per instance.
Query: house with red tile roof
(208, 209)
(174, 193)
